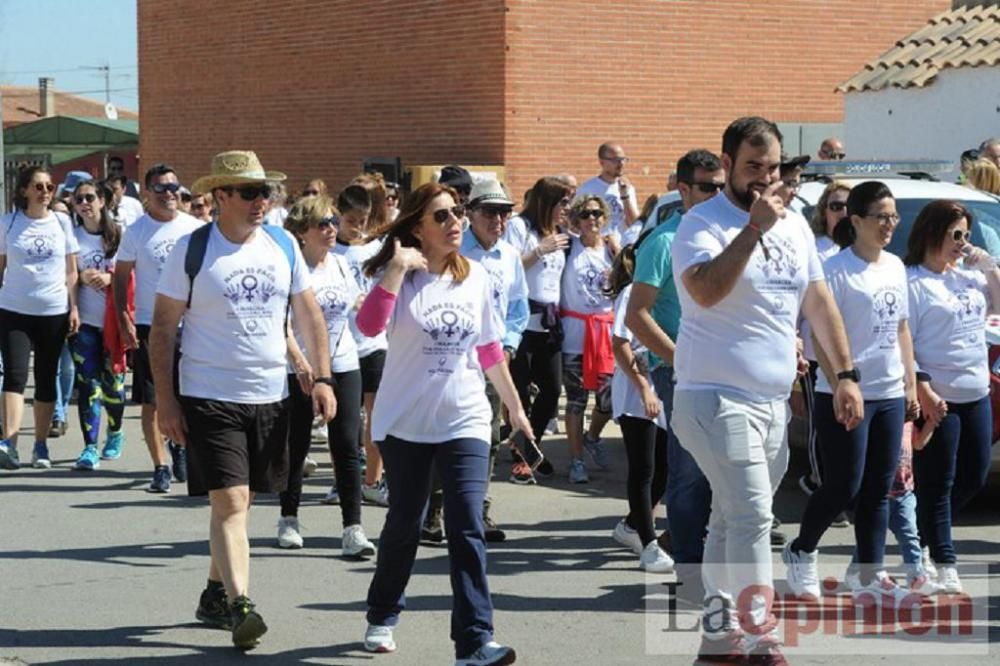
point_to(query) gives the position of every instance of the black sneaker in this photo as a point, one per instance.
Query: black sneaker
(493, 533)
(432, 532)
(248, 625)
(665, 542)
(179, 467)
(213, 609)
(778, 538)
(57, 429)
(161, 480)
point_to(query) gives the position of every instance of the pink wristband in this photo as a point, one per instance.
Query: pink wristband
(489, 355)
(375, 312)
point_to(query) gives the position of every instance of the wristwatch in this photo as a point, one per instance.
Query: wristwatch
(853, 374)
(324, 380)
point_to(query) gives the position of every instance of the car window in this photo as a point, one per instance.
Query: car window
(985, 231)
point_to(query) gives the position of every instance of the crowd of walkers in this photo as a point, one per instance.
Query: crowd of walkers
(416, 334)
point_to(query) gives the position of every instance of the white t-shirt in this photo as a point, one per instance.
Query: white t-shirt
(626, 400)
(872, 299)
(336, 293)
(234, 348)
(544, 277)
(90, 301)
(356, 256)
(129, 210)
(612, 196)
(583, 283)
(276, 216)
(148, 243)
(948, 324)
(35, 280)
(825, 248)
(745, 343)
(433, 388)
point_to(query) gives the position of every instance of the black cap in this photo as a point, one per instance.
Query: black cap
(798, 161)
(456, 177)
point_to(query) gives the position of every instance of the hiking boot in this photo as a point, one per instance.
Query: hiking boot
(248, 625)
(213, 607)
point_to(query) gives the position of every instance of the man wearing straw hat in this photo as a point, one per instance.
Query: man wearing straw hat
(232, 283)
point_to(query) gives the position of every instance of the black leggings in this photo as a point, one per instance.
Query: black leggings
(18, 334)
(342, 437)
(539, 361)
(646, 450)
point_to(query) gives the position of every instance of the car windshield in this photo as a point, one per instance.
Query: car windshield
(985, 230)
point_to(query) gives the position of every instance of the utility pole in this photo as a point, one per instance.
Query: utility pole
(106, 70)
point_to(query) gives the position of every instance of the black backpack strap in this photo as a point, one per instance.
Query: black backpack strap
(195, 255)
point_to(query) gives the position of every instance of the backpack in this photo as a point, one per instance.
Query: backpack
(198, 244)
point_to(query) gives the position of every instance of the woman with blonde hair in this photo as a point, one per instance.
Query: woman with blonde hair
(983, 175)
(432, 412)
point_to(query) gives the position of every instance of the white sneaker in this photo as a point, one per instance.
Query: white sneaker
(880, 592)
(490, 654)
(627, 537)
(378, 493)
(928, 563)
(552, 428)
(354, 543)
(289, 535)
(332, 497)
(923, 585)
(378, 638)
(948, 579)
(852, 578)
(802, 572)
(309, 467)
(654, 560)
(319, 432)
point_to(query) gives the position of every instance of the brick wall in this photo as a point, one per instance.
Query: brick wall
(532, 84)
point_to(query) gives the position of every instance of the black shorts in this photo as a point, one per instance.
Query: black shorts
(371, 371)
(233, 444)
(143, 392)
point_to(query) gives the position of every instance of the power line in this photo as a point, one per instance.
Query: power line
(61, 71)
(70, 92)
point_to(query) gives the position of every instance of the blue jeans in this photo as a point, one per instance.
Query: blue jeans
(950, 470)
(858, 466)
(64, 384)
(903, 525)
(688, 497)
(462, 465)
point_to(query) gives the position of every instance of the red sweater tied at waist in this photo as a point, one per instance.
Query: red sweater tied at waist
(598, 358)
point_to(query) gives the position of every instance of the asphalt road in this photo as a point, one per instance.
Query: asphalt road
(97, 571)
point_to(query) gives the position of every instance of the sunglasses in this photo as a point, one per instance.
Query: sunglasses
(837, 206)
(591, 214)
(160, 188)
(251, 192)
(835, 156)
(708, 187)
(310, 193)
(960, 236)
(441, 215)
(499, 211)
(327, 222)
(198, 206)
(89, 198)
(616, 160)
(563, 203)
(45, 187)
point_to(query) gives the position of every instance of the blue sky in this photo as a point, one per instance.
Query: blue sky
(61, 38)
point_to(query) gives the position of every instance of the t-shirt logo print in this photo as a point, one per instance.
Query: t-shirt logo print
(969, 307)
(449, 326)
(250, 289)
(592, 282)
(39, 247)
(332, 305)
(162, 250)
(780, 260)
(887, 305)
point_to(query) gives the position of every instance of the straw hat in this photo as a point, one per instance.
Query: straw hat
(235, 167)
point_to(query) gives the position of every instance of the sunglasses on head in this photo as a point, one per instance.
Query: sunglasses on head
(960, 236)
(89, 198)
(250, 192)
(708, 187)
(441, 215)
(327, 222)
(837, 206)
(160, 188)
(591, 213)
(45, 187)
(499, 211)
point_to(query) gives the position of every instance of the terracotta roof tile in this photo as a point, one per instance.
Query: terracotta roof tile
(964, 37)
(20, 105)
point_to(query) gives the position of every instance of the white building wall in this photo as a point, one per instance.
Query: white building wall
(959, 109)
